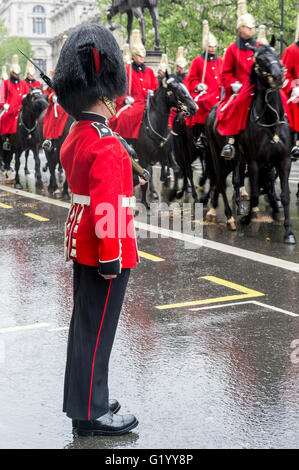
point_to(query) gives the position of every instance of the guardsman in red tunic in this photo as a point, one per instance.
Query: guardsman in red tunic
(141, 81)
(204, 83)
(290, 59)
(30, 77)
(100, 235)
(233, 109)
(14, 90)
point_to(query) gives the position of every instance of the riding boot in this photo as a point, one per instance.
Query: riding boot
(229, 151)
(295, 149)
(6, 144)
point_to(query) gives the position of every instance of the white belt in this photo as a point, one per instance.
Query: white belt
(85, 200)
(80, 199)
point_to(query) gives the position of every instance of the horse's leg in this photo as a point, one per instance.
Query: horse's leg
(27, 172)
(51, 161)
(284, 172)
(211, 214)
(17, 167)
(254, 191)
(153, 192)
(237, 178)
(270, 189)
(137, 11)
(65, 192)
(129, 25)
(155, 18)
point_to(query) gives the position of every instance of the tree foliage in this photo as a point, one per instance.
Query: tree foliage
(9, 46)
(181, 22)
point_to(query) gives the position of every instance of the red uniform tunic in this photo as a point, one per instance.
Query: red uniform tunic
(232, 112)
(33, 83)
(290, 59)
(13, 95)
(99, 167)
(54, 120)
(205, 101)
(127, 122)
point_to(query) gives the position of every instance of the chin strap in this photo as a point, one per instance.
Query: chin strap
(110, 105)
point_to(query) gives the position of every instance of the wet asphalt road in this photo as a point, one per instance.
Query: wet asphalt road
(218, 375)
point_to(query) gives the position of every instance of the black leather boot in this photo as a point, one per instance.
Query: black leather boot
(229, 151)
(295, 149)
(114, 407)
(107, 425)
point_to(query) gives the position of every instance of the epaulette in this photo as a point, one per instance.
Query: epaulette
(103, 130)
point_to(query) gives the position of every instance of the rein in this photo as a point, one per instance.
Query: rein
(29, 131)
(268, 105)
(163, 139)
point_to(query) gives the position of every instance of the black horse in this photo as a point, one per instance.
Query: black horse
(53, 156)
(154, 140)
(264, 144)
(26, 137)
(135, 8)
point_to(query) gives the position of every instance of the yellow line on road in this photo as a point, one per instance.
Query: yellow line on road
(156, 259)
(5, 206)
(36, 217)
(246, 294)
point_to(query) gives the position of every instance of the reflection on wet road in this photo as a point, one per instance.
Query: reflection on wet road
(205, 353)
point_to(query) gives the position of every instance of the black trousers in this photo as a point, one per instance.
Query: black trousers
(97, 306)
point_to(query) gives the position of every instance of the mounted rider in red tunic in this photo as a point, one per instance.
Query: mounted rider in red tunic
(14, 89)
(233, 109)
(204, 83)
(290, 59)
(141, 81)
(30, 77)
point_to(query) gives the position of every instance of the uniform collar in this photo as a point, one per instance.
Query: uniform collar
(297, 43)
(242, 43)
(14, 80)
(30, 81)
(210, 57)
(86, 116)
(137, 67)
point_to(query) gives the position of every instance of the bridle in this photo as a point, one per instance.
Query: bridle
(181, 107)
(271, 89)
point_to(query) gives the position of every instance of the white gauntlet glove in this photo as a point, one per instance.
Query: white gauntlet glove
(201, 87)
(236, 87)
(129, 100)
(54, 99)
(6, 107)
(295, 92)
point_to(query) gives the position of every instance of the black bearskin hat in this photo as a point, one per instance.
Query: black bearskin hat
(90, 66)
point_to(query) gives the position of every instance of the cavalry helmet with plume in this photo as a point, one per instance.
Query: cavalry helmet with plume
(90, 66)
(244, 18)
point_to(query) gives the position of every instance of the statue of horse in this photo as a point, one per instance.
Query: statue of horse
(154, 140)
(26, 137)
(136, 8)
(264, 144)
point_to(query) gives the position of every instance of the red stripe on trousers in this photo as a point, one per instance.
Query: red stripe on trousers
(95, 351)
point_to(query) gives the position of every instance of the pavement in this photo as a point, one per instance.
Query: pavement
(206, 354)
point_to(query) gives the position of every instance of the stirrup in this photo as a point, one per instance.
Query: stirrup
(47, 145)
(199, 143)
(228, 152)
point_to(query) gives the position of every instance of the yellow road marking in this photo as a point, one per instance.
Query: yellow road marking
(5, 206)
(36, 217)
(246, 294)
(156, 259)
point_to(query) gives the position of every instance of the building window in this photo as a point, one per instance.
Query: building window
(38, 9)
(39, 25)
(42, 63)
(20, 26)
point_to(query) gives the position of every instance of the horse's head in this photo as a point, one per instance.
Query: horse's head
(35, 101)
(178, 96)
(267, 70)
